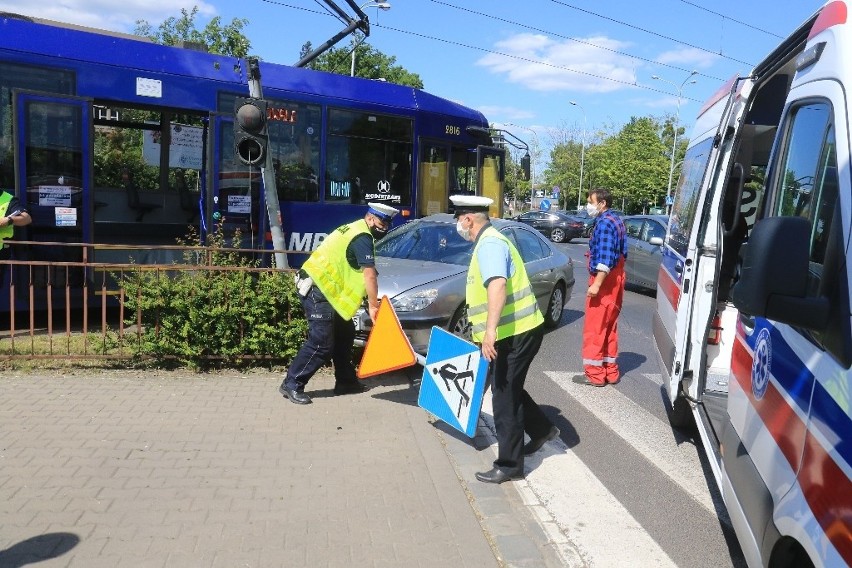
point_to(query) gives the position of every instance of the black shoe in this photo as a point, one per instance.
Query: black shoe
(350, 388)
(294, 396)
(496, 475)
(533, 446)
(584, 380)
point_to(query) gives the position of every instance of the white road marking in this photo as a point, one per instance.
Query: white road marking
(587, 515)
(646, 433)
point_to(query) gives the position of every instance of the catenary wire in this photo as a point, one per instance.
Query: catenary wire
(732, 19)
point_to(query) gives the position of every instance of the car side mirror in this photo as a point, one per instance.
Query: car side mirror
(656, 241)
(774, 275)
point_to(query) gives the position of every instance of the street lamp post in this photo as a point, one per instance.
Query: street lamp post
(582, 153)
(384, 6)
(686, 81)
(532, 161)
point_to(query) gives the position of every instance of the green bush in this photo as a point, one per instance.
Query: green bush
(227, 311)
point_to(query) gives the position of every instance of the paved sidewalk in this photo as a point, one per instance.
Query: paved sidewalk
(129, 468)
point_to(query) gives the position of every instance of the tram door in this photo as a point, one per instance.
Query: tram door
(490, 164)
(54, 178)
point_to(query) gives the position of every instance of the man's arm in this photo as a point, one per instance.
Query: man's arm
(496, 291)
(371, 281)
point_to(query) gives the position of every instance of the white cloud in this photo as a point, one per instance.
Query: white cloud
(689, 57)
(542, 64)
(111, 15)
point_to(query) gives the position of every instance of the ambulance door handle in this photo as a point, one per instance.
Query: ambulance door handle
(748, 323)
(679, 267)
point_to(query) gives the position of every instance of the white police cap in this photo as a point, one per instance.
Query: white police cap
(470, 204)
(382, 211)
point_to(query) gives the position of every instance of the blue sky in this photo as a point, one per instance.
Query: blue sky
(520, 63)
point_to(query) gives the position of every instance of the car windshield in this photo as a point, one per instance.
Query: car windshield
(438, 242)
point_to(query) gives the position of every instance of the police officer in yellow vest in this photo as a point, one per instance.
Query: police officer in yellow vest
(506, 321)
(332, 284)
(11, 215)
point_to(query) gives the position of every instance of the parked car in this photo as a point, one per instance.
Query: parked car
(645, 236)
(558, 226)
(423, 271)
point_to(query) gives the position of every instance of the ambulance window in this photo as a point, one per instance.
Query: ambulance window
(686, 195)
(807, 185)
(806, 181)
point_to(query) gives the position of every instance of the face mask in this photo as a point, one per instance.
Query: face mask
(592, 210)
(378, 232)
(464, 233)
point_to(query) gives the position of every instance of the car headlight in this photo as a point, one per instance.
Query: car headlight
(414, 301)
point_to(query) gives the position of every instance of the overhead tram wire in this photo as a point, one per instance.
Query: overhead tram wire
(326, 8)
(653, 33)
(755, 28)
(485, 50)
(528, 60)
(584, 42)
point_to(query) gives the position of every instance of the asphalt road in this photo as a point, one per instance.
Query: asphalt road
(653, 479)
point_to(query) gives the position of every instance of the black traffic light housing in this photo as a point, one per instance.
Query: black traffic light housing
(250, 131)
(525, 166)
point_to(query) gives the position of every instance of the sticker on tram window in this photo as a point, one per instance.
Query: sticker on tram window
(66, 216)
(50, 196)
(239, 204)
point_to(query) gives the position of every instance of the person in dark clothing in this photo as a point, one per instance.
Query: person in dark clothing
(332, 284)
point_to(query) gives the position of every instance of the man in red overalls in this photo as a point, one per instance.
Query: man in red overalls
(607, 255)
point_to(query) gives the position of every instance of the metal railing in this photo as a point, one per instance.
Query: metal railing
(58, 302)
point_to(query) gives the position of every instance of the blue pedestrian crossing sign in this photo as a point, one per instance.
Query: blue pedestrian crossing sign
(453, 381)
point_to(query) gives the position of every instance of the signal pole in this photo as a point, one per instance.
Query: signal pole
(270, 188)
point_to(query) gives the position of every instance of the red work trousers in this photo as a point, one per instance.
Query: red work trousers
(600, 328)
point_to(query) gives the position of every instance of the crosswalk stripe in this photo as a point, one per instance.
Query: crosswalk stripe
(646, 433)
(583, 509)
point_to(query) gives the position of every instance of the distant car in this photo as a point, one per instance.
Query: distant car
(423, 271)
(645, 236)
(558, 226)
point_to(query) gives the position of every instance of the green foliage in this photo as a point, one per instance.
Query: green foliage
(220, 311)
(223, 40)
(370, 63)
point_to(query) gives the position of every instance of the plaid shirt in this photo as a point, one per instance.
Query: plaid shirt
(607, 245)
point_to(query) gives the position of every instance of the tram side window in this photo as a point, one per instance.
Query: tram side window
(368, 158)
(25, 78)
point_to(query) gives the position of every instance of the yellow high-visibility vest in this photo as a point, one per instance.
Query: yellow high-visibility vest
(327, 266)
(521, 311)
(8, 231)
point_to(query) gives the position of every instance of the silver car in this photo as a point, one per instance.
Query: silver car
(645, 236)
(422, 270)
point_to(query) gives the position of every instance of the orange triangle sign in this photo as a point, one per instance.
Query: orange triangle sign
(387, 348)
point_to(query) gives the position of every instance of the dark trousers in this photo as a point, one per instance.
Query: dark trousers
(330, 338)
(515, 412)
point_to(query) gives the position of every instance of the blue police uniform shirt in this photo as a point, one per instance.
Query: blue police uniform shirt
(494, 260)
(360, 251)
(607, 245)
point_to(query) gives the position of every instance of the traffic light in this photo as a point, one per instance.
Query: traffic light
(525, 166)
(250, 133)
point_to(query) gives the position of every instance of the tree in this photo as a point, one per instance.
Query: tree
(633, 164)
(370, 63)
(223, 40)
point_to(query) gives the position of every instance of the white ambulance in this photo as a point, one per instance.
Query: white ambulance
(753, 305)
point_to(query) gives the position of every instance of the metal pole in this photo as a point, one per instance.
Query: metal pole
(270, 188)
(582, 153)
(674, 134)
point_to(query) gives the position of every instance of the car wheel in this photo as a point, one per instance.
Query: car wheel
(557, 235)
(460, 325)
(555, 306)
